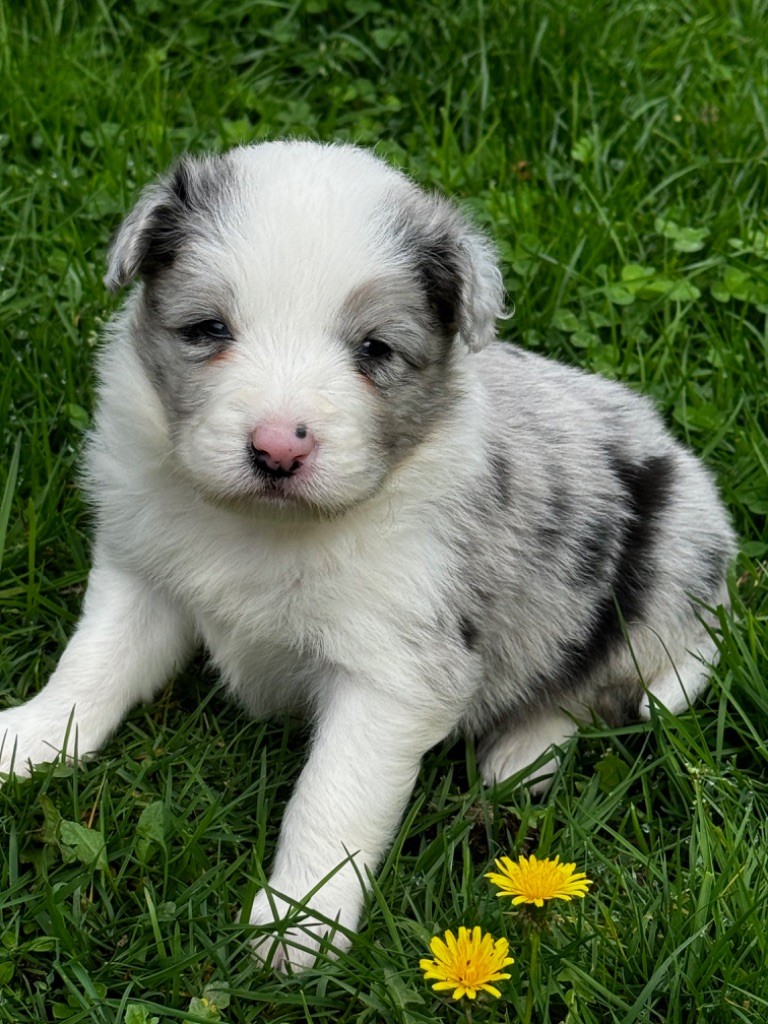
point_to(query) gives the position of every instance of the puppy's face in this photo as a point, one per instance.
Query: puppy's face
(299, 317)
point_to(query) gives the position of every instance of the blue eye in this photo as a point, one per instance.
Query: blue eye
(207, 330)
(374, 350)
(215, 329)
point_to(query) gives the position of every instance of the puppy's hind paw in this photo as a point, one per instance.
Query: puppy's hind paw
(514, 747)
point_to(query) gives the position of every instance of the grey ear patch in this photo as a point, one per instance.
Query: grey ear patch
(133, 238)
(150, 236)
(458, 267)
(483, 300)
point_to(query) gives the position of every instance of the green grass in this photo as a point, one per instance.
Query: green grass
(617, 152)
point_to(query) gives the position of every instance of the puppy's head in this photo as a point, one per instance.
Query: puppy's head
(302, 316)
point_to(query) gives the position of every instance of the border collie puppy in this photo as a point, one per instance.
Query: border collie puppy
(311, 457)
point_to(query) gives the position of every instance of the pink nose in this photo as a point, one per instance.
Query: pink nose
(281, 447)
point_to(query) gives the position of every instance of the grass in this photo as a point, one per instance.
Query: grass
(617, 153)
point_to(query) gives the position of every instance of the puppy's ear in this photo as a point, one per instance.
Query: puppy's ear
(482, 300)
(151, 234)
(458, 268)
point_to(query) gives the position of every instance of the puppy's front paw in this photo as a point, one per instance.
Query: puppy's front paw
(299, 930)
(30, 736)
(22, 741)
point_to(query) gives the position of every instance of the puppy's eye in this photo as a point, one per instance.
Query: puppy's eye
(216, 329)
(208, 330)
(373, 350)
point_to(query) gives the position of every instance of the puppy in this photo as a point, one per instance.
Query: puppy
(311, 457)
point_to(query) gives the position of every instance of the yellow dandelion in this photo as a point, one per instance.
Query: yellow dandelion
(528, 880)
(467, 963)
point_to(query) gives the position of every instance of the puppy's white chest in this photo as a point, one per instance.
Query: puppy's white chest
(276, 603)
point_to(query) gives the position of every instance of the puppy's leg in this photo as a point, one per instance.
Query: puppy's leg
(515, 745)
(124, 648)
(345, 809)
(680, 685)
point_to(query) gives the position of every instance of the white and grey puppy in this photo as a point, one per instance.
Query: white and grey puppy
(311, 456)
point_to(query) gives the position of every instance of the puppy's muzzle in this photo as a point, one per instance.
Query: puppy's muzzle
(281, 448)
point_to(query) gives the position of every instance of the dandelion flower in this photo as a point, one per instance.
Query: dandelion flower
(528, 880)
(467, 964)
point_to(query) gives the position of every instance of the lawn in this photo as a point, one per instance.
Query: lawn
(617, 153)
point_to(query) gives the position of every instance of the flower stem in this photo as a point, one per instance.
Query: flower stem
(533, 976)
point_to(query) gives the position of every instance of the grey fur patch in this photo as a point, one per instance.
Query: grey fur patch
(417, 386)
(558, 509)
(469, 633)
(502, 478)
(154, 232)
(596, 548)
(647, 493)
(391, 308)
(457, 267)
